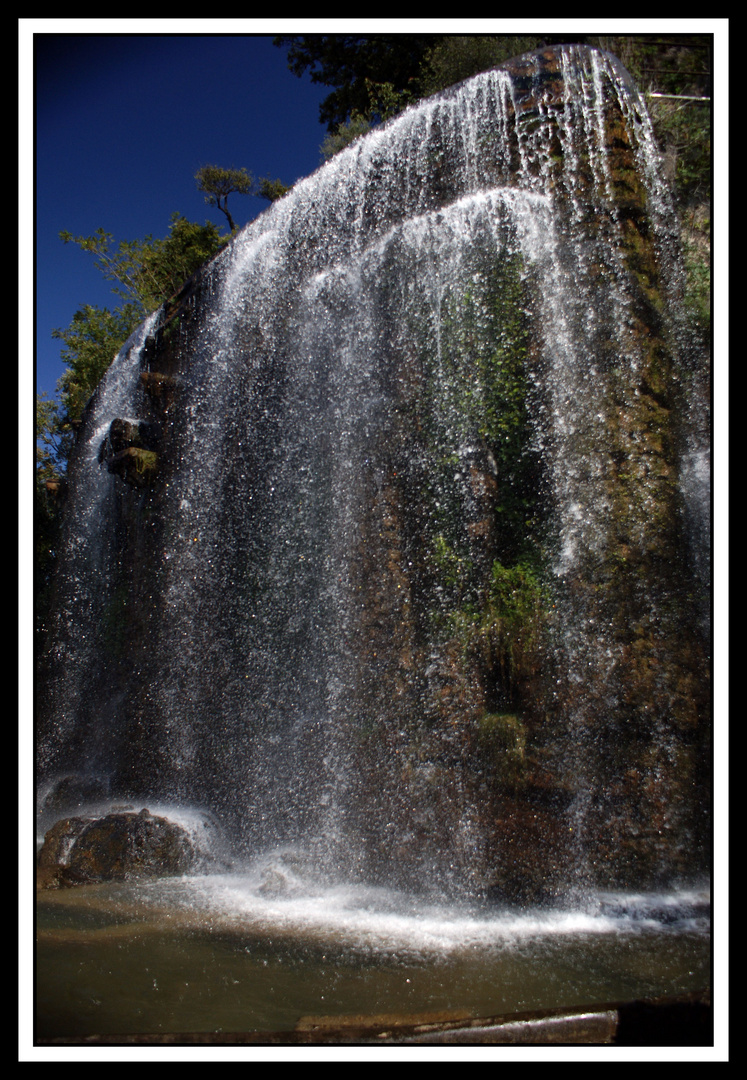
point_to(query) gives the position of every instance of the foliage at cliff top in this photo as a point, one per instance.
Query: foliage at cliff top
(147, 272)
(143, 273)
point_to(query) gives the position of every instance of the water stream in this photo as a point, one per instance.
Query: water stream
(448, 360)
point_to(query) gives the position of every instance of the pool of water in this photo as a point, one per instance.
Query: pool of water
(240, 952)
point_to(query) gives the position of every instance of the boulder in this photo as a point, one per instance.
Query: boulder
(59, 840)
(116, 847)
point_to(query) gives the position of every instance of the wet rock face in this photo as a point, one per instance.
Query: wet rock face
(116, 847)
(129, 451)
(75, 791)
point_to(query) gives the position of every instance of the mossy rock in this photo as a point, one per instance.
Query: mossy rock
(137, 467)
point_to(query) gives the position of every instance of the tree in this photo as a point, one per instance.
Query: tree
(344, 134)
(271, 189)
(348, 62)
(384, 101)
(144, 274)
(147, 272)
(91, 341)
(218, 183)
(458, 57)
(419, 64)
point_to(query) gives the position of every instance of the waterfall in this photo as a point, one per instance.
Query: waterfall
(408, 588)
(86, 588)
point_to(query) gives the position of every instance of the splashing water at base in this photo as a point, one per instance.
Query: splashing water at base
(243, 952)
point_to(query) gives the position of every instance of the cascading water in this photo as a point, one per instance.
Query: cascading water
(407, 595)
(85, 592)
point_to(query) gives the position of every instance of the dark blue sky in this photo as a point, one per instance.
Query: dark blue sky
(123, 122)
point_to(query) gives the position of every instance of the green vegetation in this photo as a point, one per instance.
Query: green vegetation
(270, 189)
(143, 273)
(697, 254)
(346, 133)
(147, 272)
(349, 63)
(384, 100)
(484, 538)
(91, 342)
(479, 397)
(218, 183)
(455, 58)
(505, 632)
(453, 568)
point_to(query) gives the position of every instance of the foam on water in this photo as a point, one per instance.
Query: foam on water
(278, 905)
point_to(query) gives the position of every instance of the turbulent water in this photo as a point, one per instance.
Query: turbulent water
(308, 356)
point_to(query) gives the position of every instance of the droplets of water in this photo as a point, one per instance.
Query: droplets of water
(86, 557)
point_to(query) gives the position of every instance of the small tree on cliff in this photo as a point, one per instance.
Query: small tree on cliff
(270, 189)
(218, 184)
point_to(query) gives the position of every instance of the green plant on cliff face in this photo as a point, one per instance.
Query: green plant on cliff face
(146, 462)
(483, 353)
(453, 569)
(477, 397)
(502, 642)
(698, 283)
(506, 631)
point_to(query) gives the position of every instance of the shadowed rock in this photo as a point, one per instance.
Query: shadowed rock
(115, 847)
